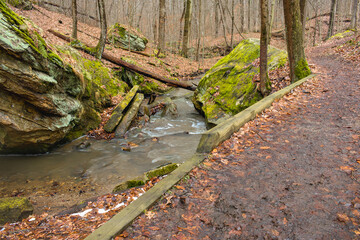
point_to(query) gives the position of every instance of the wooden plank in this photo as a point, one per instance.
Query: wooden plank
(125, 217)
(212, 138)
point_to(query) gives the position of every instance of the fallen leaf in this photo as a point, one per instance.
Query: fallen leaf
(342, 217)
(264, 148)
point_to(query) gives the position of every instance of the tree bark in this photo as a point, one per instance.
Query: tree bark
(216, 10)
(162, 19)
(265, 85)
(101, 44)
(199, 32)
(353, 23)
(295, 42)
(74, 19)
(187, 28)
(332, 19)
(127, 65)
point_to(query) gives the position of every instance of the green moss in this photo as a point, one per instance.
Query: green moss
(343, 34)
(162, 171)
(121, 37)
(228, 87)
(146, 86)
(14, 209)
(302, 69)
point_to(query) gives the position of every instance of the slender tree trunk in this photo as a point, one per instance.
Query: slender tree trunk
(295, 43)
(303, 18)
(181, 26)
(187, 28)
(242, 19)
(232, 23)
(272, 17)
(162, 19)
(217, 22)
(265, 85)
(249, 15)
(74, 19)
(332, 19)
(353, 23)
(199, 32)
(101, 44)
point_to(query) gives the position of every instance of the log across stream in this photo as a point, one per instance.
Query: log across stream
(97, 166)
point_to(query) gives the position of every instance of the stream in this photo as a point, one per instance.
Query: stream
(98, 168)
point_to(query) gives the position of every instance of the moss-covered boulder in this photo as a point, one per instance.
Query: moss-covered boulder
(122, 37)
(14, 209)
(228, 87)
(44, 98)
(147, 86)
(21, 4)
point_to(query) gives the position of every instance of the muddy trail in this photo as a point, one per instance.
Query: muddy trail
(292, 173)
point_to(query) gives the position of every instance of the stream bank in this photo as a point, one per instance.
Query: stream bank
(71, 174)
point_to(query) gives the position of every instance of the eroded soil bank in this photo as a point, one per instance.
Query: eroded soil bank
(292, 173)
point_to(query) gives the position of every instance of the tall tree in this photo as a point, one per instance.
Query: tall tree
(199, 31)
(265, 86)
(187, 27)
(353, 23)
(101, 44)
(332, 19)
(295, 40)
(162, 19)
(74, 19)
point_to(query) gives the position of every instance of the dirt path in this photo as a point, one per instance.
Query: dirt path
(290, 174)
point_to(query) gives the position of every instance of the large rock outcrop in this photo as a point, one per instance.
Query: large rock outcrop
(44, 99)
(228, 87)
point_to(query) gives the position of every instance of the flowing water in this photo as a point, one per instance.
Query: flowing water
(105, 163)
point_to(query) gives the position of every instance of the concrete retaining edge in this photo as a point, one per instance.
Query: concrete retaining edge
(208, 141)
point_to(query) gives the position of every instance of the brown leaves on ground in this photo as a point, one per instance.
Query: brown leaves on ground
(76, 225)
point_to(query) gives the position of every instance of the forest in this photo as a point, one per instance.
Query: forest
(179, 119)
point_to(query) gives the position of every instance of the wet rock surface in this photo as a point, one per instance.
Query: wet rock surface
(292, 173)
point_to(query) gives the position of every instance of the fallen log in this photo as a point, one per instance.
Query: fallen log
(129, 116)
(118, 112)
(127, 65)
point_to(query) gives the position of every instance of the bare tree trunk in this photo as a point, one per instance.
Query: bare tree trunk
(332, 19)
(295, 43)
(216, 10)
(249, 15)
(242, 19)
(74, 19)
(265, 86)
(353, 23)
(272, 17)
(199, 32)
(232, 23)
(162, 19)
(187, 28)
(181, 27)
(101, 44)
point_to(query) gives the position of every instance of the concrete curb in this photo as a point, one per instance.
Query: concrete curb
(209, 140)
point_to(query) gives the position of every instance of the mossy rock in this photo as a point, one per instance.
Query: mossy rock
(14, 209)
(161, 171)
(46, 99)
(136, 182)
(141, 180)
(121, 37)
(342, 34)
(147, 86)
(21, 4)
(228, 87)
